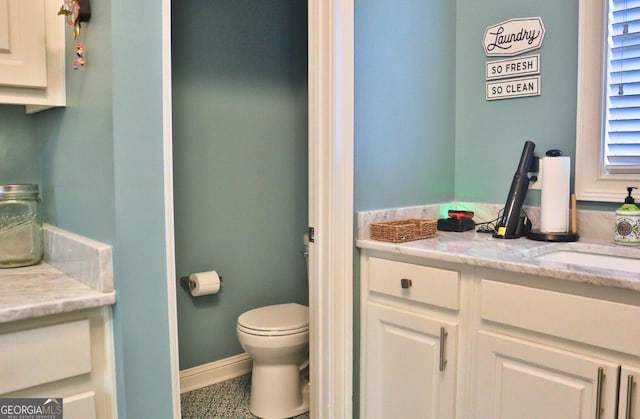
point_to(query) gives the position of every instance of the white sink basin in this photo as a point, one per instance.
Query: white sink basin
(594, 256)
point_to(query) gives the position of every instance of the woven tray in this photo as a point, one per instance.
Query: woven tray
(403, 230)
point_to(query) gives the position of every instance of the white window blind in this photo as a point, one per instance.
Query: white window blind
(622, 130)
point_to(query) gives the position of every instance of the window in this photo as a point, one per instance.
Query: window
(622, 90)
(608, 108)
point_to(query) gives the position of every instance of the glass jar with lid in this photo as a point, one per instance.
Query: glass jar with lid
(20, 225)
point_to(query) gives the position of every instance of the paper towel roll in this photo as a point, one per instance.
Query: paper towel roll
(555, 194)
(204, 283)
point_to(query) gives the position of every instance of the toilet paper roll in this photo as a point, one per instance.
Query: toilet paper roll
(555, 194)
(204, 283)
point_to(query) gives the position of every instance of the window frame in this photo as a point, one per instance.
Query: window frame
(591, 181)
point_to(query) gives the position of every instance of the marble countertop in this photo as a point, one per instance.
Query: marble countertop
(77, 273)
(41, 290)
(516, 255)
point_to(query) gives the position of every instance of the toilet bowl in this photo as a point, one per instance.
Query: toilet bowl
(276, 338)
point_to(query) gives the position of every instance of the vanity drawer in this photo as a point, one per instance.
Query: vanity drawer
(597, 322)
(44, 354)
(439, 287)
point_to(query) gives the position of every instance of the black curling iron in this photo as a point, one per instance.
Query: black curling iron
(511, 225)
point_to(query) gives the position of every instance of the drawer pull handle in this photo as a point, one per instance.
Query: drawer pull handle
(443, 347)
(630, 385)
(405, 283)
(599, 392)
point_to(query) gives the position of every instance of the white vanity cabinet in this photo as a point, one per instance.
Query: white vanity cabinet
(32, 49)
(450, 340)
(545, 351)
(67, 355)
(409, 329)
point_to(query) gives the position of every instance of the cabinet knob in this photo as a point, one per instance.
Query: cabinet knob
(405, 283)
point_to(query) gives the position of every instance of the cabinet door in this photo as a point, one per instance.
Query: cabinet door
(80, 406)
(409, 374)
(629, 393)
(23, 60)
(32, 54)
(517, 379)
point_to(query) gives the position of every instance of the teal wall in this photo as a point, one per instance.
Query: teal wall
(19, 146)
(490, 135)
(415, 144)
(404, 102)
(240, 163)
(77, 141)
(141, 313)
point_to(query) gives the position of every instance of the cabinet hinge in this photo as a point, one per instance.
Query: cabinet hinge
(312, 235)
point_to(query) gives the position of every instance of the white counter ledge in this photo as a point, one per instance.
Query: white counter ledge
(514, 255)
(76, 274)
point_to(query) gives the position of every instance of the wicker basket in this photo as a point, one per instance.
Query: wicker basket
(403, 230)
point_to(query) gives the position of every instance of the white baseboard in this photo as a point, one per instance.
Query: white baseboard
(214, 372)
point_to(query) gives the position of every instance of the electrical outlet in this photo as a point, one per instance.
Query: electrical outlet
(537, 184)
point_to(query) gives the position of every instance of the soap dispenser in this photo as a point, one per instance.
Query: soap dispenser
(628, 221)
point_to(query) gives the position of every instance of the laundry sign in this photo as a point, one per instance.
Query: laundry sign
(513, 37)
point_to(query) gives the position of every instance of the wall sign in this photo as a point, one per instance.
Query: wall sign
(512, 67)
(513, 37)
(520, 87)
(509, 38)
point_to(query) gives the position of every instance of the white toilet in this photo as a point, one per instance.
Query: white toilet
(276, 338)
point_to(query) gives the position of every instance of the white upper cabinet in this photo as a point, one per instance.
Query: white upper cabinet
(23, 60)
(31, 54)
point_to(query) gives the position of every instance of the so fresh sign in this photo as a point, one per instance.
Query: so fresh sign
(513, 67)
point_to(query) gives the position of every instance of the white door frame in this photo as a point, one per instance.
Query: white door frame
(167, 148)
(330, 207)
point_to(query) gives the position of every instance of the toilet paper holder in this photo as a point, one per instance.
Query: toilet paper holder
(185, 282)
(188, 284)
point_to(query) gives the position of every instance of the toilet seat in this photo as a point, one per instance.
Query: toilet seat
(275, 320)
(257, 332)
